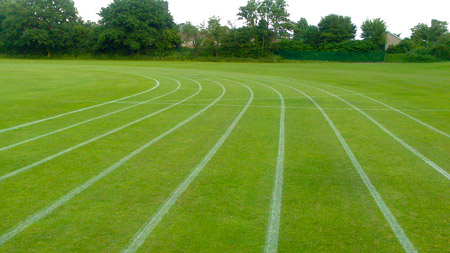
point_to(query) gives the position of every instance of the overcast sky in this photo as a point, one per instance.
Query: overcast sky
(400, 15)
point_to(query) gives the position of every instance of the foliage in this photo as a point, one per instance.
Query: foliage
(421, 54)
(137, 27)
(350, 46)
(430, 43)
(268, 21)
(396, 58)
(301, 29)
(374, 30)
(336, 28)
(145, 29)
(38, 26)
(404, 47)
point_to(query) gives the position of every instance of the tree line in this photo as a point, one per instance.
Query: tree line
(146, 27)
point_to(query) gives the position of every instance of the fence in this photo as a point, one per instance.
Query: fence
(378, 56)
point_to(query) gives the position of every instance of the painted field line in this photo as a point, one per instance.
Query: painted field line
(402, 142)
(390, 107)
(206, 99)
(28, 167)
(80, 110)
(393, 223)
(90, 120)
(49, 209)
(273, 229)
(138, 240)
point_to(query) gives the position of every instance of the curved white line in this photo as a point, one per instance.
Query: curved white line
(140, 237)
(80, 110)
(390, 107)
(393, 223)
(402, 142)
(28, 167)
(89, 120)
(49, 209)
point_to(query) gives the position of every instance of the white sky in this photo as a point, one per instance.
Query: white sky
(400, 15)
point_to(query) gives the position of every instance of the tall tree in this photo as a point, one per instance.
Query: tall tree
(422, 34)
(300, 29)
(215, 33)
(268, 19)
(137, 27)
(39, 26)
(374, 30)
(336, 28)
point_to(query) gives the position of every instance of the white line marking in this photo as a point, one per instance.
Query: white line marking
(90, 120)
(18, 171)
(403, 143)
(167, 102)
(393, 223)
(205, 99)
(273, 229)
(390, 107)
(80, 110)
(139, 239)
(46, 211)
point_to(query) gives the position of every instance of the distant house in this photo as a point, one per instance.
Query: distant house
(392, 40)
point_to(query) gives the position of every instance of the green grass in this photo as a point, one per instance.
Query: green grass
(325, 204)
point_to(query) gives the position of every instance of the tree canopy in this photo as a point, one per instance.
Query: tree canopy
(336, 28)
(38, 26)
(137, 26)
(146, 28)
(374, 30)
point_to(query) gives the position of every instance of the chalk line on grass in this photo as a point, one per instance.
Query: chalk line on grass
(89, 120)
(140, 237)
(273, 229)
(392, 221)
(49, 209)
(395, 137)
(390, 107)
(82, 109)
(30, 166)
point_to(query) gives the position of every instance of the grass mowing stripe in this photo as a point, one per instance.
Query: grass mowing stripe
(273, 229)
(139, 239)
(90, 120)
(402, 142)
(393, 223)
(46, 211)
(18, 171)
(80, 110)
(392, 108)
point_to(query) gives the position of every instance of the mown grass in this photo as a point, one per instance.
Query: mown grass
(325, 205)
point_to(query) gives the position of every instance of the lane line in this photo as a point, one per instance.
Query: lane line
(140, 237)
(393, 223)
(49, 158)
(273, 229)
(403, 143)
(206, 99)
(390, 107)
(80, 110)
(49, 209)
(90, 120)
(293, 107)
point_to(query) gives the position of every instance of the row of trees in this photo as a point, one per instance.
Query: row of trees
(127, 27)
(427, 43)
(146, 27)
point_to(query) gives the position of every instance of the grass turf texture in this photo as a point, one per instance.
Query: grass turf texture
(325, 204)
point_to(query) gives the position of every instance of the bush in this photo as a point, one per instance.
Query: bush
(396, 58)
(291, 45)
(421, 54)
(351, 46)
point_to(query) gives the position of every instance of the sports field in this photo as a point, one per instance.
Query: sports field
(157, 156)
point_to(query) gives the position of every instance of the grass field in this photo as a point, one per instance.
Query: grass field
(160, 156)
